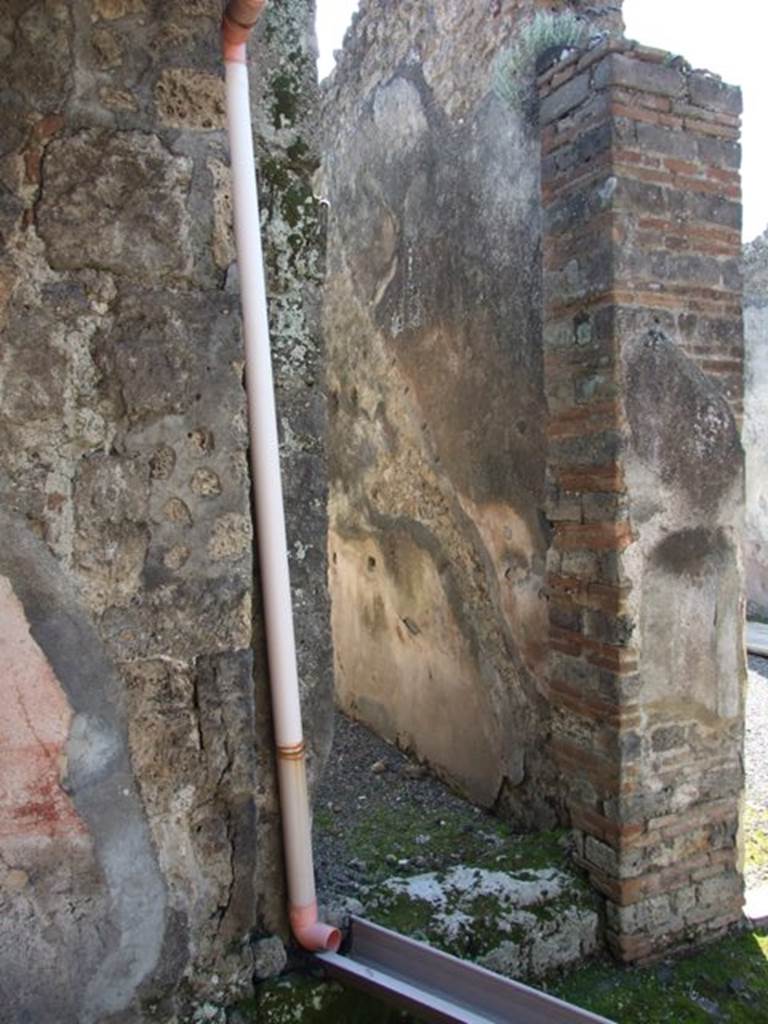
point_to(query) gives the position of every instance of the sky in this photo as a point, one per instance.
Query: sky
(726, 38)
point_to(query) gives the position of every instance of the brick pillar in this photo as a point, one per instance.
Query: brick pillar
(643, 349)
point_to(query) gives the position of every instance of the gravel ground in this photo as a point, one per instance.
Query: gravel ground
(756, 766)
(756, 738)
(365, 774)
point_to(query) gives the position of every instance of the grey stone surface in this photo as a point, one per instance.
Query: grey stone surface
(756, 424)
(115, 201)
(94, 914)
(707, 90)
(660, 79)
(123, 448)
(523, 926)
(702, 462)
(564, 99)
(269, 958)
(686, 504)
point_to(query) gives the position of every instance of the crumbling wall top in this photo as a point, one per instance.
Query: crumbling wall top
(383, 35)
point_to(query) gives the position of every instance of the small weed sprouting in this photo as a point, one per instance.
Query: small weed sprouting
(514, 68)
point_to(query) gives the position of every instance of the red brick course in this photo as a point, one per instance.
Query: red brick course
(641, 193)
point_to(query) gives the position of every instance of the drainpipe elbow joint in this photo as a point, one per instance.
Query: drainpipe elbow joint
(312, 934)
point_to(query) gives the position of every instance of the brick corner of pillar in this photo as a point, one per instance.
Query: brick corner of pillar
(641, 225)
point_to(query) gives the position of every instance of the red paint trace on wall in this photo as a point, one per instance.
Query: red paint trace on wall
(33, 731)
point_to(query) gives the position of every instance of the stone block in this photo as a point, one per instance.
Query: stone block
(611, 629)
(42, 54)
(591, 143)
(719, 152)
(116, 201)
(601, 855)
(108, 48)
(619, 70)
(562, 100)
(565, 618)
(601, 507)
(721, 891)
(658, 139)
(155, 367)
(668, 737)
(564, 508)
(710, 92)
(269, 957)
(187, 98)
(711, 209)
(650, 915)
(580, 563)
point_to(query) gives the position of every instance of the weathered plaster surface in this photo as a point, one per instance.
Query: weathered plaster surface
(435, 373)
(123, 448)
(84, 904)
(756, 424)
(643, 332)
(33, 731)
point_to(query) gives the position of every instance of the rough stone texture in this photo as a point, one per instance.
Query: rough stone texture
(269, 958)
(756, 424)
(432, 315)
(81, 893)
(115, 201)
(123, 451)
(645, 475)
(521, 925)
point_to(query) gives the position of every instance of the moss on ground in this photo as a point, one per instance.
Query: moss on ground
(405, 842)
(299, 999)
(469, 939)
(403, 914)
(726, 982)
(396, 844)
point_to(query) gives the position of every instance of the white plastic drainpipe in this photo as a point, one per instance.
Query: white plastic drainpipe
(239, 18)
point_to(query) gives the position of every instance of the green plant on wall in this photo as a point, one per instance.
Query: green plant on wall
(514, 67)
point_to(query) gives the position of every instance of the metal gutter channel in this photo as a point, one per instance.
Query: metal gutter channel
(439, 987)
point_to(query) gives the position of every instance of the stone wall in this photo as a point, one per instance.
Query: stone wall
(756, 424)
(642, 334)
(139, 846)
(435, 375)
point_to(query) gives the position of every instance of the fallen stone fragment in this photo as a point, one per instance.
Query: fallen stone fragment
(339, 911)
(269, 958)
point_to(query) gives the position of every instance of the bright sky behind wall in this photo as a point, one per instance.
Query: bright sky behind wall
(725, 38)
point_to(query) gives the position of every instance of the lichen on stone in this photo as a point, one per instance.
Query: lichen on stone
(482, 915)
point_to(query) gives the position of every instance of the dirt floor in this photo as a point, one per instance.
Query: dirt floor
(395, 845)
(370, 790)
(369, 796)
(379, 814)
(756, 766)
